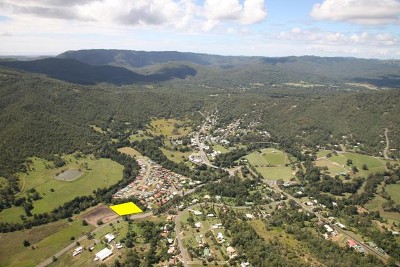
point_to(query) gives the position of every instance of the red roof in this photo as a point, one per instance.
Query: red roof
(351, 243)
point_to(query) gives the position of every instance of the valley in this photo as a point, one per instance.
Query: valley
(230, 167)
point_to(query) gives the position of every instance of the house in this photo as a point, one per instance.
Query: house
(351, 243)
(328, 228)
(103, 254)
(217, 226)
(220, 237)
(210, 215)
(249, 216)
(231, 252)
(197, 212)
(118, 245)
(109, 237)
(77, 251)
(198, 225)
(171, 250)
(342, 226)
(244, 264)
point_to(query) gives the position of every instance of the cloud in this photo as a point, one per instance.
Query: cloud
(369, 12)
(179, 14)
(250, 12)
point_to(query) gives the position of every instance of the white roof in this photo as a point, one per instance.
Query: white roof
(109, 237)
(104, 254)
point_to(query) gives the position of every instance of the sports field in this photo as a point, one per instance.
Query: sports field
(276, 173)
(268, 157)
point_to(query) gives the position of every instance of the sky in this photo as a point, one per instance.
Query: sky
(355, 28)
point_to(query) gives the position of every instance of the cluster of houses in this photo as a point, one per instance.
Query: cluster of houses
(155, 185)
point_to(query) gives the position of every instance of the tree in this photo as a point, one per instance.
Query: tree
(349, 162)
(365, 167)
(84, 223)
(26, 243)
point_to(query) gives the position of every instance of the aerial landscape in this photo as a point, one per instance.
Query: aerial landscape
(192, 133)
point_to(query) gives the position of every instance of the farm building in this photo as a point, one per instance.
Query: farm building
(77, 251)
(109, 237)
(103, 254)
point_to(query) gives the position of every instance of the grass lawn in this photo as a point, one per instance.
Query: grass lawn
(256, 159)
(373, 164)
(376, 205)
(394, 192)
(333, 168)
(100, 173)
(130, 151)
(47, 239)
(275, 173)
(268, 156)
(220, 148)
(323, 153)
(176, 156)
(169, 127)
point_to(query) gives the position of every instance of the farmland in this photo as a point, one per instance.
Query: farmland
(169, 127)
(97, 173)
(44, 241)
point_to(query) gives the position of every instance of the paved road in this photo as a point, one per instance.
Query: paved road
(49, 260)
(386, 150)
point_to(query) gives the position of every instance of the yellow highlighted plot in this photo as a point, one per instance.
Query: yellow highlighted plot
(126, 209)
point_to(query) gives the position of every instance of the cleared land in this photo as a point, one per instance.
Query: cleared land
(99, 173)
(376, 205)
(176, 156)
(129, 151)
(333, 167)
(373, 164)
(268, 157)
(47, 240)
(101, 212)
(169, 127)
(69, 175)
(220, 148)
(276, 173)
(394, 192)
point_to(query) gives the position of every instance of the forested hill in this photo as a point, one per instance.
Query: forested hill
(74, 71)
(123, 67)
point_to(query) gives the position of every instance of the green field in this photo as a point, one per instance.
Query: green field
(220, 148)
(323, 153)
(333, 167)
(276, 173)
(394, 192)
(176, 156)
(47, 240)
(373, 164)
(86, 257)
(376, 205)
(268, 157)
(99, 173)
(169, 127)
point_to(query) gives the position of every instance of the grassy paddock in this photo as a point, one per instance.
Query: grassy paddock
(169, 127)
(99, 173)
(47, 240)
(394, 192)
(276, 173)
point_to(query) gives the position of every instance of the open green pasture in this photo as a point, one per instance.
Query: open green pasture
(373, 164)
(394, 192)
(46, 240)
(98, 173)
(268, 156)
(169, 127)
(276, 173)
